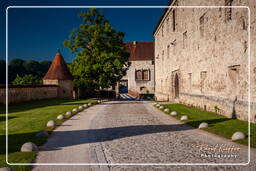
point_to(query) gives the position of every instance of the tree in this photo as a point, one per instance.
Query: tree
(27, 79)
(101, 59)
(2, 71)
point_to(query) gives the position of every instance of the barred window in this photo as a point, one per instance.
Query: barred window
(142, 74)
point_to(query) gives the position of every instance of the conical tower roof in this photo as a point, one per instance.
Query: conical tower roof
(58, 69)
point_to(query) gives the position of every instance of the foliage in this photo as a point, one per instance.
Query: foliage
(31, 67)
(101, 59)
(218, 124)
(25, 119)
(2, 71)
(27, 79)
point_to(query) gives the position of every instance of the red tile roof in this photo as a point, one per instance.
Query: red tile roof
(58, 70)
(140, 50)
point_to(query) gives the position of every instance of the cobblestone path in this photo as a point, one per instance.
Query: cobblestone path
(135, 132)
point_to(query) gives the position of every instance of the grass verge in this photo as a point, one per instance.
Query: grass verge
(217, 124)
(24, 120)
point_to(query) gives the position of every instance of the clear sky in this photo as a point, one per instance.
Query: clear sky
(36, 33)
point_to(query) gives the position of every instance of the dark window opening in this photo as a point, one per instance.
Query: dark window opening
(202, 25)
(142, 74)
(173, 20)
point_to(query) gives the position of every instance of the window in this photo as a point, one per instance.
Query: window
(173, 20)
(167, 25)
(184, 39)
(142, 74)
(228, 11)
(202, 25)
(138, 74)
(168, 51)
(153, 62)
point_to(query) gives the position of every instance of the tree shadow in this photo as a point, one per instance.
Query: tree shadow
(3, 118)
(61, 139)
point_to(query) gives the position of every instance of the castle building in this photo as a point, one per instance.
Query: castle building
(204, 57)
(140, 76)
(58, 74)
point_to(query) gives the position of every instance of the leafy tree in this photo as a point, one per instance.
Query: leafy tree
(2, 71)
(26, 79)
(101, 59)
(16, 66)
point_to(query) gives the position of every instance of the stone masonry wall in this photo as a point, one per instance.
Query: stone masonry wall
(202, 58)
(27, 93)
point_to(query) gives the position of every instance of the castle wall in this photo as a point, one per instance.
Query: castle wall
(21, 93)
(202, 59)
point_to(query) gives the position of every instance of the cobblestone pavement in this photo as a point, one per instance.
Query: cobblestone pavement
(135, 132)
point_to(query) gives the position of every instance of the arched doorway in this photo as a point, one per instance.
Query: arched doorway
(176, 86)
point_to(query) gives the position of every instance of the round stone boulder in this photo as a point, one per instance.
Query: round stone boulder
(158, 105)
(80, 108)
(161, 107)
(75, 110)
(85, 105)
(184, 118)
(42, 133)
(51, 123)
(155, 104)
(99, 101)
(60, 117)
(28, 147)
(173, 113)
(6, 169)
(237, 136)
(203, 125)
(166, 110)
(89, 104)
(68, 114)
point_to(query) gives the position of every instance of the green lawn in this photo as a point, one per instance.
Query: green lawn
(25, 119)
(218, 124)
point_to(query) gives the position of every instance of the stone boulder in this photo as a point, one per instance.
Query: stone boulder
(155, 104)
(80, 108)
(75, 110)
(158, 105)
(167, 110)
(6, 169)
(184, 118)
(161, 107)
(89, 104)
(237, 136)
(99, 101)
(60, 117)
(68, 114)
(42, 133)
(173, 113)
(28, 147)
(203, 125)
(51, 123)
(85, 105)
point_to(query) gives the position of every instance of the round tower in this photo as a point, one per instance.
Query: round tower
(58, 74)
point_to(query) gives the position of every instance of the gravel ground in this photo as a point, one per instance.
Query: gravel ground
(135, 132)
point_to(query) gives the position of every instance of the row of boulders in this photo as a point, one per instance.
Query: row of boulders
(236, 136)
(29, 146)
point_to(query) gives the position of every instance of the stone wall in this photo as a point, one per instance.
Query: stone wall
(65, 87)
(21, 93)
(202, 57)
(136, 85)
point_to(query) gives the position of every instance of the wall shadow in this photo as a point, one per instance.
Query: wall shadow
(209, 121)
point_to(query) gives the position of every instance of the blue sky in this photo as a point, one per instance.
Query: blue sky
(36, 33)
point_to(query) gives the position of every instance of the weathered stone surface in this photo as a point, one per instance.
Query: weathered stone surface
(184, 118)
(6, 169)
(161, 107)
(28, 147)
(68, 114)
(51, 123)
(203, 125)
(80, 108)
(238, 135)
(60, 117)
(42, 133)
(173, 113)
(85, 105)
(75, 110)
(167, 110)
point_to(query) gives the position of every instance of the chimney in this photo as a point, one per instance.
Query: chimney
(134, 43)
